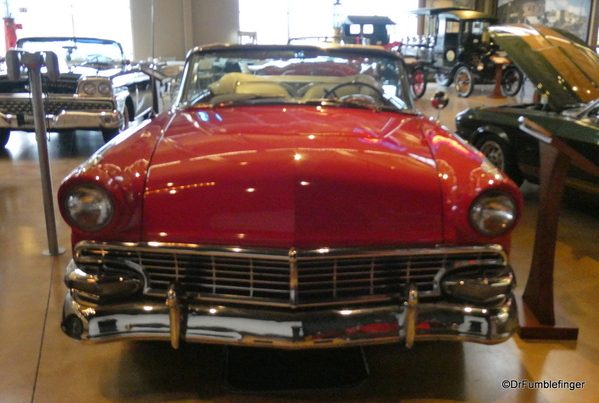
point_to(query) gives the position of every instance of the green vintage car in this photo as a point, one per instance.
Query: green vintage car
(565, 72)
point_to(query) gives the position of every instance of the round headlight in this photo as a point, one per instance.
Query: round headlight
(89, 88)
(493, 213)
(105, 89)
(89, 207)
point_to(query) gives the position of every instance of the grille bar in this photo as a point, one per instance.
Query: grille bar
(286, 278)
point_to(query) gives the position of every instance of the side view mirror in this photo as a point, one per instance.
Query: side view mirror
(439, 100)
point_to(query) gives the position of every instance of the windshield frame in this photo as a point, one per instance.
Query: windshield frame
(291, 52)
(38, 44)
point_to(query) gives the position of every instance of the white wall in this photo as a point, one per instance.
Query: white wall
(215, 21)
(181, 24)
(163, 38)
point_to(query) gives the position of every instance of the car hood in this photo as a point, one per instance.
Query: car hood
(294, 176)
(562, 67)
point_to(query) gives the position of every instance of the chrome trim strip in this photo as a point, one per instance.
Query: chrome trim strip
(283, 254)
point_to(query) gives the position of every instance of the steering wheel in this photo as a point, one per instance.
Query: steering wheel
(332, 91)
(360, 99)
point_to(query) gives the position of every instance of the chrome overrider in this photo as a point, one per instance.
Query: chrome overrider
(115, 292)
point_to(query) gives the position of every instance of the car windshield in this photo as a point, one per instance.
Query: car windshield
(72, 52)
(337, 76)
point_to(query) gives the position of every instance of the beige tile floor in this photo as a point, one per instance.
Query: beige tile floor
(39, 364)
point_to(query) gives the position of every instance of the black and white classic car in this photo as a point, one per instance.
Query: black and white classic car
(98, 89)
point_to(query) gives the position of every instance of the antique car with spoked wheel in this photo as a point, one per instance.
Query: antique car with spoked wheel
(293, 197)
(457, 49)
(98, 89)
(564, 71)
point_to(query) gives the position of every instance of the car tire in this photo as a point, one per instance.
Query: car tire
(109, 134)
(499, 153)
(511, 81)
(464, 82)
(418, 82)
(442, 79)
(4, 136)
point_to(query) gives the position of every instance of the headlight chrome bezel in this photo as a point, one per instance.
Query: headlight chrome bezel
(98, 87)
(105, 89)
(89, 88)
(493, 213)
(81, 212)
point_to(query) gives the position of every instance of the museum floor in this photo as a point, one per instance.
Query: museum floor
(39, 364)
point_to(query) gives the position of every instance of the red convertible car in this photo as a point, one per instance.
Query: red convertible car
(292, 198)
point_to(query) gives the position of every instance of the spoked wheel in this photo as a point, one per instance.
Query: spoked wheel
(511, 81)
(442, 79)
(499, 153)
(418, 82)
(464, 82)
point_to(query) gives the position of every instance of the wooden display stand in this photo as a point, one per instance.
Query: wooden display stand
(537, 314)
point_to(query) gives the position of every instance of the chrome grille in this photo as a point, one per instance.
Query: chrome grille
(16, 106)
(286, 278)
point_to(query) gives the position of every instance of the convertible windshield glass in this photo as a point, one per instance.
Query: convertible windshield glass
(78, 51)
(295, 75)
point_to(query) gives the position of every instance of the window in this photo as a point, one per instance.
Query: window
(453, 27)
(354, 29)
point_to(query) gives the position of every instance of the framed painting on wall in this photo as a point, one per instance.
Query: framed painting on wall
(570, 15)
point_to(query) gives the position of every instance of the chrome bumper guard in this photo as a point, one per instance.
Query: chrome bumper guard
(175, 320)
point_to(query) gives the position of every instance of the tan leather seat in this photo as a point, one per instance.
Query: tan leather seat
(240, 83)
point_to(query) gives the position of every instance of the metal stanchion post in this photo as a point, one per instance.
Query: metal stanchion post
(33, 62)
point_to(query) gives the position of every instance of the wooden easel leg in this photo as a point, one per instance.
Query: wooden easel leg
(537, 300)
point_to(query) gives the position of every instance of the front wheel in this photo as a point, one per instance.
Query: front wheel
(500, 154)
(418, 82)
(511, 81)
(464, 82)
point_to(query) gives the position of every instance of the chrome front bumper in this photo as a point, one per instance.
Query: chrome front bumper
(66, 120)
(175, 320)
